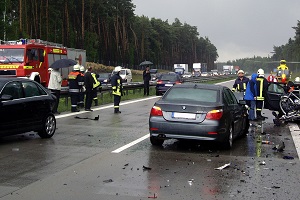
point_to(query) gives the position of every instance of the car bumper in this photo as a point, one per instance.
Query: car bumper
(162, 89)
(206, 130)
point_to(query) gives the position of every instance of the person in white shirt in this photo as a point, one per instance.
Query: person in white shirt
(55, 86)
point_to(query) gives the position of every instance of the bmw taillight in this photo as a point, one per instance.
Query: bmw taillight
(156, 111)
(214, 114)
(159, 82)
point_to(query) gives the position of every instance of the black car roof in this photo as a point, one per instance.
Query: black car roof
(4, 80)
(200, 85)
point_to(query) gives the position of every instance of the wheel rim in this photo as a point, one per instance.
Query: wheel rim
(285, 105)
(230, 138)
(50, 125)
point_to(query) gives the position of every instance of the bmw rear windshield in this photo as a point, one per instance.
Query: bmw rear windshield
(192, 94)
(168, 77)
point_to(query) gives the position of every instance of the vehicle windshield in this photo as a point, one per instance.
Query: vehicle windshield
(192, 94)
(168, 77)
(103, 75)
(11, 55)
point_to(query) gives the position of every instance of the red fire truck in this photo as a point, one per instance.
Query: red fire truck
(31, 58)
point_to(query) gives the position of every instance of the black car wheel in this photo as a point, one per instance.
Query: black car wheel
(49, 127)
(156, 141)
(227, 143)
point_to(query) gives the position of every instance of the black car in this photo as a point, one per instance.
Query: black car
(25, 106)
(167, 80)
(104, 78)
(198, 112)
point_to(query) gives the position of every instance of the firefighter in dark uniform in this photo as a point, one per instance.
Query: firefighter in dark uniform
(76, 82)
(88, 82)
(82, 90)
(96, 86)
(116, 84)
(262, 87)
(240, 83)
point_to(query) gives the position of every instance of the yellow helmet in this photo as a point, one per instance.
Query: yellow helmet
(283, 62)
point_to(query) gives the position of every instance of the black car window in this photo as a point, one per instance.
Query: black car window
(14, 89)
(193, 94)
(169, 77)
(229, 97)
(275, 88)
(30, 89)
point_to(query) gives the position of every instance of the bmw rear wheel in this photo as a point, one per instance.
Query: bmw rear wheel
(49, 127)
(156, 141)
(227, 143)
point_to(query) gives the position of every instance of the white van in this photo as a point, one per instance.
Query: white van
(126, 75)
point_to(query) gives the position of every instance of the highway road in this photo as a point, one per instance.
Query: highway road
(112, 158)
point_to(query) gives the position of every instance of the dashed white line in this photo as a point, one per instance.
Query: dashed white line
(131, 144)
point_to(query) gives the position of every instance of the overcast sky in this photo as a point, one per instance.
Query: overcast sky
(238, 28)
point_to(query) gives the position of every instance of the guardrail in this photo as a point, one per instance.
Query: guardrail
(139, 86)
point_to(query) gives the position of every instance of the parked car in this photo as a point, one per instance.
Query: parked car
(204, 74)
(167, 80)
(126, 75)
(198, 112)
(187, 75)
(25, 106)
(104, 78)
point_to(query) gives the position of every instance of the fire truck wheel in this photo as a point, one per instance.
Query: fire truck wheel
(49, 127)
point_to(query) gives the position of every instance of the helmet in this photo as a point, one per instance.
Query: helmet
(260, 73)
(117, 69)
(283, 62)
(76, 67)
(82, 69)
(241, 71)
(297, 79)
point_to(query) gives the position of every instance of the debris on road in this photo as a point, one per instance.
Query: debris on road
(262, 163)
(146, 168)
(288, 157)
(108, 181)
(266, 142)
(96, 118)
(279, 147)
(152, 197)
(223, 167)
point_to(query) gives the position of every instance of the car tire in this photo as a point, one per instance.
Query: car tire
(49, 127)
(246, 126)
(227, 143)
(156, 141)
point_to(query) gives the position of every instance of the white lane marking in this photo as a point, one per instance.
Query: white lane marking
(131, 144)
(295, 132)
(104, 107)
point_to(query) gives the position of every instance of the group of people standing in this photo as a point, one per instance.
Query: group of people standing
(254, 90)
(83, 84)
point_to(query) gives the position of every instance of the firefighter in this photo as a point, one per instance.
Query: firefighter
(282, 65)
(96, 86)
(261, 88)
(75, 84)
(88, 82)
(240, 83)
(82, 90)
(116, 84)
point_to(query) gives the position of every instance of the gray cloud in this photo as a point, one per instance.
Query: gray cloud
(238, 28)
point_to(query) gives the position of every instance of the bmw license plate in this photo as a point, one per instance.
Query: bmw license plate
(183, 115)
(169, 85)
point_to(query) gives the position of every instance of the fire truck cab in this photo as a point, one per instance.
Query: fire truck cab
(31, 58)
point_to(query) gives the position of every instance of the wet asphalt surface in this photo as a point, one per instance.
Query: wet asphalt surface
(78, 163)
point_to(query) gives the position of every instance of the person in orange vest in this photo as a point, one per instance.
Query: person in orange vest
(76, 82)
(272, 78)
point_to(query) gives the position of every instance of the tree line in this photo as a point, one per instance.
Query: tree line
(289, 52)
(108, 30)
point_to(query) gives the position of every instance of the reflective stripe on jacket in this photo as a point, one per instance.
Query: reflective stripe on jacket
(116, 84)
(96, 83)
